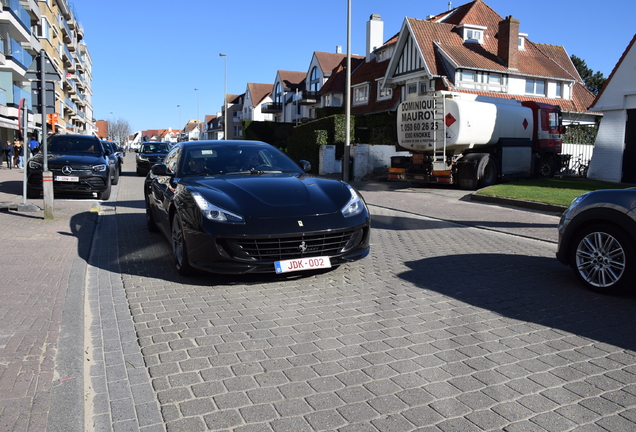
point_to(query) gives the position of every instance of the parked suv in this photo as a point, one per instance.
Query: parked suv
(79, 164)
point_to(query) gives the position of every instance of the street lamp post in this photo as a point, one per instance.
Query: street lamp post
(224, 95)
(345, 162)
(179, 106)
(198, 112)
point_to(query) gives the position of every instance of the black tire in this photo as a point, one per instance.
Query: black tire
(547, 167)
(179, 248)
(105, 194)
(486, 171)
(602, 257)
(150, 220)
(140, 172)
(32, 193)
(115, 178)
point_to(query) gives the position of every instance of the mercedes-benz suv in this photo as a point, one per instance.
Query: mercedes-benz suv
(79, 164)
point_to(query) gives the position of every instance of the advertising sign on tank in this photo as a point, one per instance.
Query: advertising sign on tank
(418, 123)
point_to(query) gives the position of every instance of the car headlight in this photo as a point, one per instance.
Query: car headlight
(215, 213)
(99, 168)
(355, 205)
(34, 165)
(142, 158)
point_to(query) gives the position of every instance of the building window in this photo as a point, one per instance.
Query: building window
(238, 131)
(361, 95)
(327, 100)
(422, 87)
(467, 76)
(473, 35)
(384, 92)
(494, 79)
(278, 94)
(43, 29)
(412, 88)
(314, 83)
(559, 90)
(535, 87)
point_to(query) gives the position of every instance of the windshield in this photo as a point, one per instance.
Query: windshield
(221, 159)
(74, 145)
(155, 148)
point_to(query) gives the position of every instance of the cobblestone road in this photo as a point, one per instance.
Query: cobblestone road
(444, 327)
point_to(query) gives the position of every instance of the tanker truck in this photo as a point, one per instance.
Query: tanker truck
(476, 141)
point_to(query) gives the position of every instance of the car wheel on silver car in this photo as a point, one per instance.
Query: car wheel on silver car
(603, 259)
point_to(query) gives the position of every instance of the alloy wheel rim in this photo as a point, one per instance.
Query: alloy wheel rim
(600, 259)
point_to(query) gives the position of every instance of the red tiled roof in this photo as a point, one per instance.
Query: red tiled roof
(328, 61)
(439, 39)
(291, 79)
(258, 92)
(337, 81)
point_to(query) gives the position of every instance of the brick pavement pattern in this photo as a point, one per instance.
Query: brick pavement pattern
(40, 265)
(442, 328)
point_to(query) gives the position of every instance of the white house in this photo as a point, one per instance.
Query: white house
(255, 96)
(614, 156)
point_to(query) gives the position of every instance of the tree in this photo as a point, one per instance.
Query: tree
(593, 80)
(119, 131)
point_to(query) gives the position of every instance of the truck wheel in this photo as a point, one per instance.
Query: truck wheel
(546, 167)
(486, 171)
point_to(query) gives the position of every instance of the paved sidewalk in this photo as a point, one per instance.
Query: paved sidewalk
(69, 356)
(41, 315)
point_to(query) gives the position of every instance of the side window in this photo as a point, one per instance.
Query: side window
(172, 159)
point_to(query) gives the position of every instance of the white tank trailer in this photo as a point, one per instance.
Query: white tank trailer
(476, 141)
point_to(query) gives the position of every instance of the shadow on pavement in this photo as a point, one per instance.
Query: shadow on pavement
(401, 223)
(529, 289)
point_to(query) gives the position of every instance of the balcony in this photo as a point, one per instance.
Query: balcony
(19, 55)
(309, 97)
(66, 31)
(19, 12)
(272, 107)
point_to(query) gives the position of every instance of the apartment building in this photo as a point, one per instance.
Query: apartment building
(62, 37)
(26, 28)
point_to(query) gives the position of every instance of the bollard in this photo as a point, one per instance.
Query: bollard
(47, 192)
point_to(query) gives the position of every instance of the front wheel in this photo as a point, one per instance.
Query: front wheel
(150, 220)
(179, 248)
(105, 194)
(115, 178)
(603, 259)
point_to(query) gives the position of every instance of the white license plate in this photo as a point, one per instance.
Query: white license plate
(302, 264)
(66, 178)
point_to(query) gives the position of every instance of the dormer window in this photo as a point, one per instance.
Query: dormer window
(472, 33)
(522, 41)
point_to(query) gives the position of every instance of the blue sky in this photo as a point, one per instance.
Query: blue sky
(149, 56)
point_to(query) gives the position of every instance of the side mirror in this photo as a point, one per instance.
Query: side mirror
(305, 165)
(161, 170)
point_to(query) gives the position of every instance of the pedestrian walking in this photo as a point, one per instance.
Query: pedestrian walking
(8, 153)
(33, 144)
(18, 158)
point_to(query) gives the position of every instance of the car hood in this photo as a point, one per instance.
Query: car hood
(272, 195)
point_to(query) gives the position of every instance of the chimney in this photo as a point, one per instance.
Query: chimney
(338, 49)
(508, 48)
(375, 35)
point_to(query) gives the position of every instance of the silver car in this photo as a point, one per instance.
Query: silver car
(597, 238)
